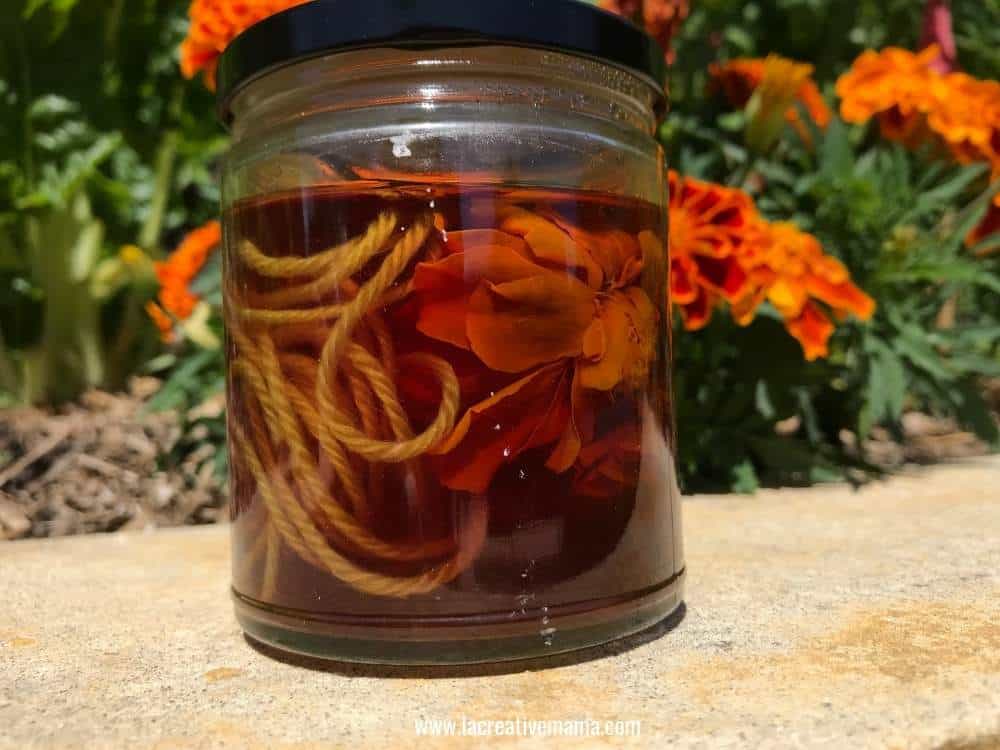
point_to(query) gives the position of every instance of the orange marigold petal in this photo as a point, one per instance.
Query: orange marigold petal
(551, 245)
(628, 323)
(610, 463)
(604, 367)
(579, 428)
(812, 329)
(788, 295)
(618, 253)
(532, 412)
(739, 78)
(697, 314)
(519, 324)
(844, 297)
(683, 289)
(162, 321)
(215, 23)
(479, 240)
(183, 265)
(443, 287)
(722, 275)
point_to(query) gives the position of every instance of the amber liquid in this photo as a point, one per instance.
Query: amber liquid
(576, 538)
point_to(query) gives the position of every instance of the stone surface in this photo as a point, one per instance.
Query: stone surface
(825, 617)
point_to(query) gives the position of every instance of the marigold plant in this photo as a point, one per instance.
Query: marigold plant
(214, 23)
(176, 300)
(917, 105)
(723, 250)
(661, 18)
(787, 84)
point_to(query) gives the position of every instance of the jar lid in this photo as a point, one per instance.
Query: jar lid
(325, 26)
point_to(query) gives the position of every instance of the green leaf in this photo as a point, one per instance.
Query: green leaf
(972, 214)
(60, 9)
(956, 271)
(52, 105)
(866, 421)
(914, 347)
(836, 158)
(765, 407)
(743, 478)
(739, 38)
(733, 122)
(975, 364)
(886, 384)
(988, 245)
(208, 283)
(85, 252)
(163, 362)
(174, 392)
(945, 193)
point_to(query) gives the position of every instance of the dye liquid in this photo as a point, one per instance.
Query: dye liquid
(449, 418)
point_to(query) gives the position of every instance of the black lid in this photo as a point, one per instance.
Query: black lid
(324, 26)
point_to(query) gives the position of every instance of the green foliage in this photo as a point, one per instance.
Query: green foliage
(750, 409)
(102, 145)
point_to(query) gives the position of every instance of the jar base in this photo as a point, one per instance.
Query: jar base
(458, 640)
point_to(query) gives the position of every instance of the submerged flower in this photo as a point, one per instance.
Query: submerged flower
(783, 84)
(179, 270)
(608, 463)
(558, 309)
(215, 23)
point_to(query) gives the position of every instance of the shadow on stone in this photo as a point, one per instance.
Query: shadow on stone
(486, 669)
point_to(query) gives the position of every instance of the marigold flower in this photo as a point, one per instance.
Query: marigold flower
(893, 78)
(215, 23)
(710, 225)
(723, 250)
(556, 307)
(605, 465)
(179, 270)
(915, 104)
(789, 82)
(661, 18)
(162, 321)
(968, 118)
(788, 268)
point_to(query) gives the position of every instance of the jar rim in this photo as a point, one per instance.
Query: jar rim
(323, 27)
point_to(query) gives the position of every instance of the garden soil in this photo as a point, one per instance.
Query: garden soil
(104, 464)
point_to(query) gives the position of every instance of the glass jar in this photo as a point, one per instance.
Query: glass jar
(445, 280)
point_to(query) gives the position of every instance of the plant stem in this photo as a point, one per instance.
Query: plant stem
(149, 236)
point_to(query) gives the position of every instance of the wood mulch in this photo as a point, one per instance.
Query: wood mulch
(104, 464)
